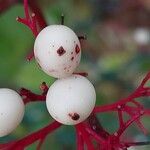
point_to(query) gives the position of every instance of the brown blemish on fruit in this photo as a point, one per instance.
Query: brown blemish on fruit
(74, 116)
(61, 51)
(65, 68)
(71, 52)
(77, 49)
(72, 58)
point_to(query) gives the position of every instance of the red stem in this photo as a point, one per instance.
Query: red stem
(85, 136)
(26, 9)
(26, 141)
(136, 94)
(95, 125)
(39, 16)
(28, 96)
(95, 135)
(120, 115)
(32, 21)
(79, 140)
(127, 124)
(85, 133)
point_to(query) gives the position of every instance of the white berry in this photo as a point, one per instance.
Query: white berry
(57, 50)
(142, 36)
(71, 100)
(11, 111)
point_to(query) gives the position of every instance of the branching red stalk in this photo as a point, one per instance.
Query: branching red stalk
(95, 125)
(80, 128)
(79, 140)
(29, 21)
(39, 15)
(41, 22)
(135, 113)
(120, 117)
(126, 125)
(141, 91)
(26, 141)
(95, 135)
(32, 21)
(29, 96)
(90, 130)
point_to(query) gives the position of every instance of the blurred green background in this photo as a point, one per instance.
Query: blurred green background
(116, 55)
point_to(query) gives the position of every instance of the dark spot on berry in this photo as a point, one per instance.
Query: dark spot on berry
(77, 49)
(71, 52)
(72, 58)
(74, 116)
(61, 51)
(65, 68)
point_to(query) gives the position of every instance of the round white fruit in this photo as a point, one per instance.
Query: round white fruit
(57, 50)
(71, 100)
(142, 36)
(11, 111)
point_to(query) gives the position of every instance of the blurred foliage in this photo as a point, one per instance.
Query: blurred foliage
(116, 55)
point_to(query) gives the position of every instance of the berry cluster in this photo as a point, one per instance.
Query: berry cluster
(70, 100)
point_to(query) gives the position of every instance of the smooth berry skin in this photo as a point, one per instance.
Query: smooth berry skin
(71, 100)
(57, 50)
(11, 111)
